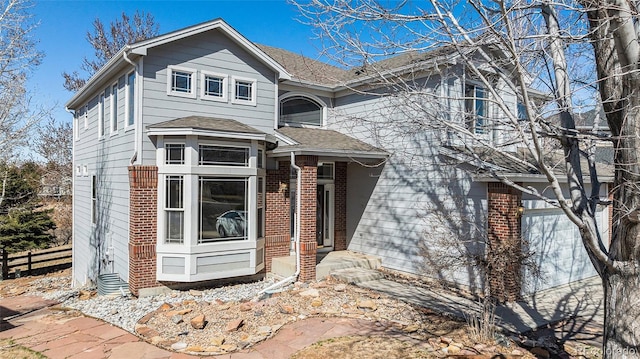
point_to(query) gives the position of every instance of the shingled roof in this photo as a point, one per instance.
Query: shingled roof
(325, 142)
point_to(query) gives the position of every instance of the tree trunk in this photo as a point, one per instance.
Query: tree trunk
(622, 315)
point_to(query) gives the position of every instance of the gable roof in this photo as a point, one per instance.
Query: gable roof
(315, 141)
(128, 53)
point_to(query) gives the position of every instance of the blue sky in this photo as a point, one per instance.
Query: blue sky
(64, 24)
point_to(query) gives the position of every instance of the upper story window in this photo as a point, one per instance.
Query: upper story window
(223, 156)
(476, 108)
(244, 91)
(174, 153)
(522, 111)
(214, 86)
(300, 110)
(114, 109)
(131, 98)
(101, 116)
(86, 116)
(181, 82)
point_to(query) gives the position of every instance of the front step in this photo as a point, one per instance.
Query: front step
(333, 261)
(357, 275)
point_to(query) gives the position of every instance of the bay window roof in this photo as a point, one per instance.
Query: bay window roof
(208, 126)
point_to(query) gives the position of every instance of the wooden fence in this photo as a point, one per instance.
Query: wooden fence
(39, 261)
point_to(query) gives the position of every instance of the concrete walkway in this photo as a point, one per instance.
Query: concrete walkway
(57, 334)
(579, 299)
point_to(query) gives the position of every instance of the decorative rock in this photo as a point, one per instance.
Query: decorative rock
(176, 319)
(516, 352)
(264, 330)
(228, 347)
(179, 346)
(366, 304)
(286, 309)
(224, 306)
(146, 318)
(165, 306)
(243, 344)
(198, 322)
(232, 326)
(412, 328)
(147, 332)
(179, 312)
(316, 302)
(195, 293)
(311, 292)
(195, 349)
(245, 307)
(453, 349)
(188, 302)
(244, 336)
(467, 353)
(218, 341)
(113, 311)
(340, 288)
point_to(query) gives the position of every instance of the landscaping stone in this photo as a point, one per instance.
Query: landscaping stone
(198, 322)
(311, 292)
(234, 325)
(179, 346)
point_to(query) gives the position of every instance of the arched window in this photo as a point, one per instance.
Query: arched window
(300, 110)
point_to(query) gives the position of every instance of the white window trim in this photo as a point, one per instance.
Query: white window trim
(85, 171)
(254, 91)
(165, 156)
(225, 86)
(86, 116)
(194, 82)
(127, 101)
(310, 96)
(113, 115)
(101, 109)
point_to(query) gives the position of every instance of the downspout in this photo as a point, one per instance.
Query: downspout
(134, 157)
(296, 235)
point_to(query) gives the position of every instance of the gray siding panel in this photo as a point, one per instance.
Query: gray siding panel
(206, 52)
(394, 210)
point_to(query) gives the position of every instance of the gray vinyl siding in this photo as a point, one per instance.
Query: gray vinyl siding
(213, 52)
(392, 209)
(107, 158)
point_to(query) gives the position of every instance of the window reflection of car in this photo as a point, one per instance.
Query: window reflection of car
(231, 224)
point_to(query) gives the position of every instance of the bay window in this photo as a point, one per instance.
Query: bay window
(212, 213)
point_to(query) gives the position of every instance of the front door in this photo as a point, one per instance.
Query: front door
(324, 215)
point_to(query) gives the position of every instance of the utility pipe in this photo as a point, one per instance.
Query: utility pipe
(296, 234)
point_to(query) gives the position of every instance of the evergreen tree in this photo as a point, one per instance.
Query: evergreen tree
(24, 224)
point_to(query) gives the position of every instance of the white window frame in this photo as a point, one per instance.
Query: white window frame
(85, 171)
(76, 126)
(254, 90)
(167, 210)
(130, 101)
(94, 199)
(192, 73)
(165, 161)
(101, 115)
(309, 96)
(78, 170)
(203, 86)
(190, 252)
(86, 116)
(224, 145)
(472, 118)
(113, 115)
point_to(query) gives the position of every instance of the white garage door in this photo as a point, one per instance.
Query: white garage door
(557, 247)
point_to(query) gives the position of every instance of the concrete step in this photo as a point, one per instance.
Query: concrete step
(357, 275)
(286, 266)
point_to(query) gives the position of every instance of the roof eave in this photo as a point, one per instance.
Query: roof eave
(320, 152)
(188, 131)
(97, 79)
(533, 178)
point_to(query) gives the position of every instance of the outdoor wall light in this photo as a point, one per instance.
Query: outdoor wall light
(520, 211)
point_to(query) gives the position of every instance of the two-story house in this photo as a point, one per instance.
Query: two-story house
(199, 155)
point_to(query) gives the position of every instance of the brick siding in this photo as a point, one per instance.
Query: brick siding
(308, 194)
(504, 252)
(143, 193)
(340, 226)
(278, 216)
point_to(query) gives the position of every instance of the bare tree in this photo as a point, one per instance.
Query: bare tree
(18, 57)
(107, 42)
(577, 54)
(54, 143)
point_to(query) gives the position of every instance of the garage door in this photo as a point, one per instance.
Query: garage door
(557, 247)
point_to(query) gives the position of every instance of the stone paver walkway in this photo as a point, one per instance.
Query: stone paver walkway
(58, 335)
